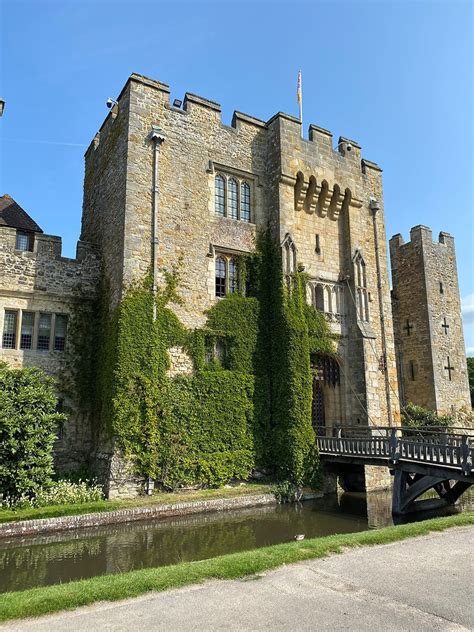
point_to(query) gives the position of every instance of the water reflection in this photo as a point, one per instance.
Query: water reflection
(43, 560)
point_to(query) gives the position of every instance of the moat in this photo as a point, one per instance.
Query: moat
(43, 560)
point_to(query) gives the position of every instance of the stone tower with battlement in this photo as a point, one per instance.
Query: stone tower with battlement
(165, 183)
(212, 186)
(431, 359)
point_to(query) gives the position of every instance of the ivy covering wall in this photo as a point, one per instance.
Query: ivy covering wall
(248, 402)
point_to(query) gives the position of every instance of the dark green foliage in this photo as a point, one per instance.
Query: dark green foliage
(418, 417)
(236, 318)
(140, 382)
(293, 442)
(470, 373)
(249, 406)
(206, 434)
(28, 420)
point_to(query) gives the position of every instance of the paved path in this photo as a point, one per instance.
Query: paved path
(419, 584)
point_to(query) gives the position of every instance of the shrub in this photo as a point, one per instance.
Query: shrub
(28, 420)
(418, 417)
(58, 493)
(285, 492)
(67, 493)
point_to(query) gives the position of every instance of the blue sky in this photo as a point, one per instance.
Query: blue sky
(395, 76)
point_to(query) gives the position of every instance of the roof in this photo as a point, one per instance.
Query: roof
(13, 216)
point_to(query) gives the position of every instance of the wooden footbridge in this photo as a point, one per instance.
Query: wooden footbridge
(419, 459)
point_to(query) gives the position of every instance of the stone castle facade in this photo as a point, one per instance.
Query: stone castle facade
(165, 183)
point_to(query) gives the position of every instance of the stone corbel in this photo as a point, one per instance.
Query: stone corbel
(301, 188)
(336, 203)
(324, 202)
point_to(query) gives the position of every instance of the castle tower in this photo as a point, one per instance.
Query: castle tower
(426, 307)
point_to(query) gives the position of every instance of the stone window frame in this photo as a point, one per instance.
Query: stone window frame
(53, 344)
(231, 282)
(242, 179)
(362, 295)
(328, 297)
(30, 240)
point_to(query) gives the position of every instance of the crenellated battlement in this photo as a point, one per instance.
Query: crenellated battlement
(318, 145)
(421, 236)
(44, 268)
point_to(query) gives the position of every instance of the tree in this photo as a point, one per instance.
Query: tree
(28, 420)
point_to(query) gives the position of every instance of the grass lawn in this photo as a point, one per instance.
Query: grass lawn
(39, 601)
(53, 511)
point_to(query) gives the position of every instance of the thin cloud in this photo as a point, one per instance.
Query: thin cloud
(44, 142)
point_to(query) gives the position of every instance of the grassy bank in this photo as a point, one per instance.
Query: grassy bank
(53, 511)
(39, 601)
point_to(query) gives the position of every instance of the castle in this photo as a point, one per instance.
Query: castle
(165, 183)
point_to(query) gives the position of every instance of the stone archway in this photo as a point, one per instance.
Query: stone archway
(326, 405)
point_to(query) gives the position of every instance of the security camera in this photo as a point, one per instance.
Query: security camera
(110, 103)
(348, 147)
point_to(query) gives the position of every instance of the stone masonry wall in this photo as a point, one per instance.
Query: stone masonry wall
(428, 324)
(44, 281)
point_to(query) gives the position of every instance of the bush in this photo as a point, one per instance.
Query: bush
(58, 493)
(418, 417)
(285, 492)
(28, 420)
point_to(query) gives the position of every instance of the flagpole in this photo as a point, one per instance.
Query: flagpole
(300, 100)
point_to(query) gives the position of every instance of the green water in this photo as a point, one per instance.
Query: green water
(43, 560)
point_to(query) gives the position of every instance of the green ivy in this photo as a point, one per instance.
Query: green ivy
(251, 407)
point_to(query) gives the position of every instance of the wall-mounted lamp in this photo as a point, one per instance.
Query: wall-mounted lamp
(157, 133)
(177, 103)
(374, 205)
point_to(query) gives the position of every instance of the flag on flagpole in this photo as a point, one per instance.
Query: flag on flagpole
(299, 94)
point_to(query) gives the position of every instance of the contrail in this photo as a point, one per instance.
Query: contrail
(44, 142)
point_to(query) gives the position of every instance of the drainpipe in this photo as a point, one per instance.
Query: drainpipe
(374, 207)
(157, 137)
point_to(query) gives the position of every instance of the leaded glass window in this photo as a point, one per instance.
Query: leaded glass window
(233, 276)
(232, 199)
(220, 277)
(44, 332)
(9, 330)
(60, 332)
(245, 202)
(220, 196)
(23, 241)
(27, 325)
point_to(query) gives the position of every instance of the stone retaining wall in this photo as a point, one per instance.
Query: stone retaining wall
(66, 523)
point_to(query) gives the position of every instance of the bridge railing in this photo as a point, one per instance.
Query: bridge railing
(439, 446)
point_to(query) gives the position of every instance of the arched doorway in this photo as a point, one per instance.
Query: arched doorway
(326, 407)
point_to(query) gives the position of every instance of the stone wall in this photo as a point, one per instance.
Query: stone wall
(43, 281)
(157, 512)
(428, 324)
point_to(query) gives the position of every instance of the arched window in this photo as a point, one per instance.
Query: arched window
(233, 276)
(362, 295)
(220, 276)
(232, 207)
(220, 196)
(245, 202)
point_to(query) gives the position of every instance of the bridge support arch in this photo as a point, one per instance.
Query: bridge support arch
(407, 489)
